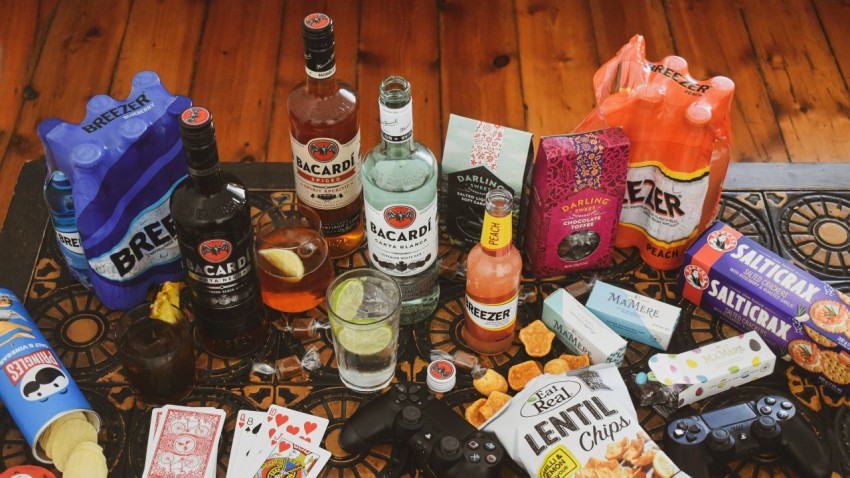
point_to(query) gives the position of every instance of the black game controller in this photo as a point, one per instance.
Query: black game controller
(699, 444)
(443, 443)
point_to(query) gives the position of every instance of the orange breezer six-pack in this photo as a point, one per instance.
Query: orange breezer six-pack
(680, 148)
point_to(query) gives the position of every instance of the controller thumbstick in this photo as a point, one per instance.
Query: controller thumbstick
(721, 440)
(449, 445)
(767, 431)
(411, 415)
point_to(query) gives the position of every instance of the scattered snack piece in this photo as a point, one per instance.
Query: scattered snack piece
(537, 338)
(490, 382)
(494, 403)
(556, 366)
(617, 449)
(576, 361)
(521, 374)
(473, 413)
(86, 461)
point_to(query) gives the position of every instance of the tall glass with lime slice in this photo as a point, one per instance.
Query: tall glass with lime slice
(292, 255)
(364, 309)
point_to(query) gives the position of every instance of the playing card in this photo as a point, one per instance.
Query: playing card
(247, 433)
(186, 444)
(283, 422)
(293, 458)
(156, 414)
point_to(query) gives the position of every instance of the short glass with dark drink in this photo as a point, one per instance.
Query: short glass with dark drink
(158, 357)
(295, 268)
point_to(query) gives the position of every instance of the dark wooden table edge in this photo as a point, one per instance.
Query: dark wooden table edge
(23, 231)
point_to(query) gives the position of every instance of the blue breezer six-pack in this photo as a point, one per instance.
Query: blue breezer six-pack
(123, 161)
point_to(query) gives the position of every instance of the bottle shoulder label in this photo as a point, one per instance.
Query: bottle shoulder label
(493, 316)
(402, 238)
(70, 241)
(327, 173)
(396, 123)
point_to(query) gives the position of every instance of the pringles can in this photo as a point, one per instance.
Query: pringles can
(34, 385)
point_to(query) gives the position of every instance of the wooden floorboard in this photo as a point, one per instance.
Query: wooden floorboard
(521, 63)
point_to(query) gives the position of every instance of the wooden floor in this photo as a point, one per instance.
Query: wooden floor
(526, 64)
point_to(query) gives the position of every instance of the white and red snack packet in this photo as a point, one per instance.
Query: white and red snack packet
(581, 424)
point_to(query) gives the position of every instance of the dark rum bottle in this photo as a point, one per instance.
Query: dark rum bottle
(325, 129)
(213, 221)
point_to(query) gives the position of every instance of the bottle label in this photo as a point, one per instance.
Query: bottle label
(496, 232)
(667, 208)
(402, 239)
(320, 64)
(327, 173)
(220, 271)
(493, 317)
(396, 123)
(70, 241)
(151, 240)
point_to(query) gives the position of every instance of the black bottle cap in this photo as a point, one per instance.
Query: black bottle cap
(318, 32)
(198, 134)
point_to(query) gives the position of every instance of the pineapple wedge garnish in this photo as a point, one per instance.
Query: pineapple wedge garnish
(166, 306)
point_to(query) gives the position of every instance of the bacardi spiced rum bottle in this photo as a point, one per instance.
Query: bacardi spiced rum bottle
(213, 219)
(494, 267)
(400, 188)
(325, 129)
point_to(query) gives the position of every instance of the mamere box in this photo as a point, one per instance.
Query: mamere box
(634, 316)
(581, 331)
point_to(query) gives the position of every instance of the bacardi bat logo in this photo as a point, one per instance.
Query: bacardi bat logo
(317, 21)
(323, 150)
(215, 250)
(399, 217)
(195, 115)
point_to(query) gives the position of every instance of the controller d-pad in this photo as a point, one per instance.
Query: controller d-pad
(491, 459)
(414, 398)
(400, 398)
(770, 400)
(413, 389)
(694, 428)
(681, 425)
(782, 415)
(765, 410)
(691, 437)
(401, 388)
(678, 433)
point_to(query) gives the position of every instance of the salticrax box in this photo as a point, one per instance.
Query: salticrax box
(580, 330)
(751, 288)
(578, 185)
(478, 157)
(713, 368)
(634, 316)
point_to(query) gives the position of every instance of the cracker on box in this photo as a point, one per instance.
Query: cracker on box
(494, 403)
(489, 382)
(537, 338)
(521, 374)
(473, 413)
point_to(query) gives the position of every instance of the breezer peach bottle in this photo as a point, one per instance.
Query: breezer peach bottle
(494, 267)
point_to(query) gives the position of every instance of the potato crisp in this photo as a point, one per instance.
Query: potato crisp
(537, 338)
(521, 374)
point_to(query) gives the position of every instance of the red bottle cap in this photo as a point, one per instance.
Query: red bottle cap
(27, 471)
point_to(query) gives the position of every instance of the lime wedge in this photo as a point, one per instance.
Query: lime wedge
(347, 299)
(365, 342)
(285, 262)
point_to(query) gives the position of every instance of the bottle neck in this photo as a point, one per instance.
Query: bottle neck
(320, 67)
(496, 233)
(396, 110)
(204, 169)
